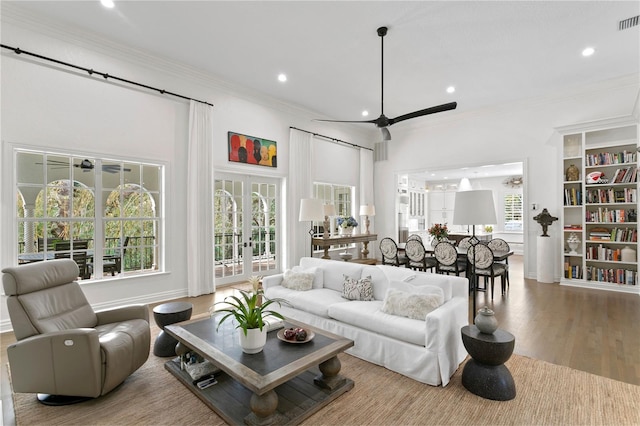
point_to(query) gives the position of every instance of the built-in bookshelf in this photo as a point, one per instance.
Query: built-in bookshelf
(600, 206)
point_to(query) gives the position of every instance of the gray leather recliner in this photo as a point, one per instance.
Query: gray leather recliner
(64, 348)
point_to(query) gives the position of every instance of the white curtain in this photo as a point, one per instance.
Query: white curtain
(300, 186)
(200, 279)
(366, 181)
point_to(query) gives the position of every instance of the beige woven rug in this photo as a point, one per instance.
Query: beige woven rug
(547, 394)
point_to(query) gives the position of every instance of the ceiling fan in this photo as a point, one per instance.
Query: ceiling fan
(383, 121)
(87, 165)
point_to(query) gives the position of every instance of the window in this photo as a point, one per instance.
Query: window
(341, 197)
(108, 211)
(513, 212)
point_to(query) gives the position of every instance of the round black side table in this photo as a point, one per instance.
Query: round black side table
(485, 374)
(165, 314)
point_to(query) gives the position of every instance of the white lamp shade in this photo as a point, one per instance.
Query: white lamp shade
(329, 210)
(311, 209)
(367, 210)
(474, 208)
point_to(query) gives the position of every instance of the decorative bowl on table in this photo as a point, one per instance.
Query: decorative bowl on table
(293, 335)
(346, 256)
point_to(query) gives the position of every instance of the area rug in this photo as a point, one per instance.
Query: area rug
(547, 394)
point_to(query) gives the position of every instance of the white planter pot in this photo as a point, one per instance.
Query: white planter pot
(254, 341)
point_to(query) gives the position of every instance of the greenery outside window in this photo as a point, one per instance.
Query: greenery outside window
(513, 212)
(103, 213)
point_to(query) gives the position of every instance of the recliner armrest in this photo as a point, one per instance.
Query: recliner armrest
(66, 362)
(124, 313)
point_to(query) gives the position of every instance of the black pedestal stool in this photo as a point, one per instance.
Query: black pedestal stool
(166, 314)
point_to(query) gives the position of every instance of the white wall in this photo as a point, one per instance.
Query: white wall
(49, 107)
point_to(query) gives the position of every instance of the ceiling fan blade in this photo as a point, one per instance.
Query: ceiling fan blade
(348, 121)
(426, 111)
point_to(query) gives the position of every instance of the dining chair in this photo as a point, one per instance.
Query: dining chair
(390, 256)
(447, 259)
(417, 256)
(464, 244)
(498, 244)
(414, 237)
(79, 255)
(483, 265)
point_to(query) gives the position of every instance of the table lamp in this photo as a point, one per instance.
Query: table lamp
(474, 208)
(311, 210)
(329, 210)
(367, 210)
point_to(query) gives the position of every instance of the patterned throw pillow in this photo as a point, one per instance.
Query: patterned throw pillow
(300, 281)
(354, 289)
(410, 305)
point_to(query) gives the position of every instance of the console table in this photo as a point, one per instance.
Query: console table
(325, 243)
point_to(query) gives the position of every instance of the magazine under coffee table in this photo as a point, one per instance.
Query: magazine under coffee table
(283, 384)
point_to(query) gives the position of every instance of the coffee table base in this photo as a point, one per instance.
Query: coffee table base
(297, 399)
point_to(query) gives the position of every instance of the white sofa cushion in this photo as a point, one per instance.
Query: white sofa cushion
(411, 304)
(369, 316)
(439, 280)
(314, 301)
(332, 270)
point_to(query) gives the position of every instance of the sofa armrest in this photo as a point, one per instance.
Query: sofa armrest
(443, 336)
(444, 323)
(123, 313)
(66, 362)
(272, 281)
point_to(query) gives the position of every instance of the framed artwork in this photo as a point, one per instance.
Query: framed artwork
(252, 150)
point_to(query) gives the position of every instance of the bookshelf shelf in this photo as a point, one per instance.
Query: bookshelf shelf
(603, 215)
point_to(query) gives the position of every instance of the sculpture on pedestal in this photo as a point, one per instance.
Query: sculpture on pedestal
(545, 219)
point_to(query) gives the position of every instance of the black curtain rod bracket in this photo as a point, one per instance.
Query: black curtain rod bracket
(106, 76)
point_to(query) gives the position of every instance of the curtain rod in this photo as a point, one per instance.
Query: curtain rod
(331, 139)
(106, 76)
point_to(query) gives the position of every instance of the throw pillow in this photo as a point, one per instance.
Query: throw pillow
(410, 305)
(318, 275)
(357, 289)
(300, 281)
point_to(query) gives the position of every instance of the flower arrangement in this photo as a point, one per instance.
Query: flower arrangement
(439, 231)
(346, 221)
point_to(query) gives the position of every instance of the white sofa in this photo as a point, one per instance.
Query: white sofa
(428, 350)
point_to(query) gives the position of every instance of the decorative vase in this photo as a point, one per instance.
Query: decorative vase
(346, 231)
(254, 341)
(573, 242)
(486, 321)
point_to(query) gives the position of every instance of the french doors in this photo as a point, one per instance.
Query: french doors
(246, 212)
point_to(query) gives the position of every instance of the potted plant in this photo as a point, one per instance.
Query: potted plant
(249, 313)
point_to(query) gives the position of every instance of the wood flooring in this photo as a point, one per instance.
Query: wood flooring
(590, 330)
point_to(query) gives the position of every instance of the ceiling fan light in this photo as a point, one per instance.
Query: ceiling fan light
(386, 135)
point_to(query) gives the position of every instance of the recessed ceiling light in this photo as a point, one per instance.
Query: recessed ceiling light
(107, 3)
(588, 51)
(365, 113)
(282, 78)
(451, 89)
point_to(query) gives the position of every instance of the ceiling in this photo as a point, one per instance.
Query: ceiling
(492, 52)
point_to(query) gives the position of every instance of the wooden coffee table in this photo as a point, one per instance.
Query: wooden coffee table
(283, 384)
